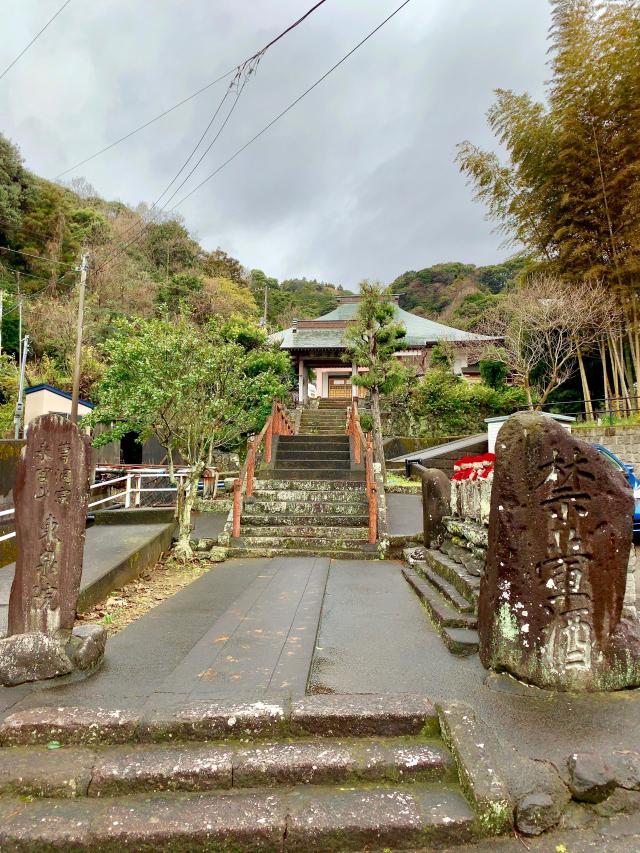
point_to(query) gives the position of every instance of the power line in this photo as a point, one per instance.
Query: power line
(147, 123)
(291, 106)
(30, 255)
(242, 74)
(195, 94)
(253, 139)
(34, 39)
(211, 144)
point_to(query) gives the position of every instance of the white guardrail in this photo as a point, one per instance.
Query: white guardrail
(133, 490)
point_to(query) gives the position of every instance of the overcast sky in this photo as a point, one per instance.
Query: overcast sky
(357, 181)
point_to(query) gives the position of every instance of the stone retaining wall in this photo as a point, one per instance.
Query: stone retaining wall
(624, 441)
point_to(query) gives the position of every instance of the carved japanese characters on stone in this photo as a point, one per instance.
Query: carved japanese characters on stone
(50, 497)
(560, 532)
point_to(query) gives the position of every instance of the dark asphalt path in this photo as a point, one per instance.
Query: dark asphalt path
(374, 636)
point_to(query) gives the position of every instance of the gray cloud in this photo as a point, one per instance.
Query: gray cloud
(357, 181)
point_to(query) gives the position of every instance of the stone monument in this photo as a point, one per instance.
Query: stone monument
(560, 531)
(51, 495)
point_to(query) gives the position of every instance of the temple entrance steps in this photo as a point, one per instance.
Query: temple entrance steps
(322, 773)
(305, 517)
(331, 420)
(449, 593)
(309, 503)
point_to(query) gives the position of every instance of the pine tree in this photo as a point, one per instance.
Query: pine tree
(372, 341)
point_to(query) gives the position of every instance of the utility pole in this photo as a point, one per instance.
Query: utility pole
(17, 418)
(84, 265)
(19, 315)
(266, 304)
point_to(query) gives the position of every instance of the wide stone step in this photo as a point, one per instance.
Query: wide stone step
(442, 614)
(310, 818)
(467, 584)
(314, 490)
(359, 553)
(312, 474)
(311, 522)
(314, 444)
(129, 769)
(347, 715)
(315, 510)
(323, 462)
(304, 455)
(332, 543)
(303, 531)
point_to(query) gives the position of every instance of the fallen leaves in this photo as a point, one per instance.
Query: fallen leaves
(130, 602)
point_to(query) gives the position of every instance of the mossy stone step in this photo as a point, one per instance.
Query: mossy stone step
(332, 543)
(303, 819)
(293, 520)
(441, 613)
(347, 491)
(446, 589)
(306, 509)
(300, 531)
(461, 641)
(468, 585)
(360, 553)
(136, 768)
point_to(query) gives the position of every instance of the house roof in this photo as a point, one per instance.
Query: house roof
(419, 330)
(44, 387)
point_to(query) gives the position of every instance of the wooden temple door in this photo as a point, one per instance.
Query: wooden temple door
(339, 387)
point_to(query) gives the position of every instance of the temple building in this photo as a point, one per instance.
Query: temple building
(318, 346)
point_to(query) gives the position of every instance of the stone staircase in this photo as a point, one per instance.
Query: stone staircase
(328, 419)
(310, 502)
(449, 593)
(324, 773)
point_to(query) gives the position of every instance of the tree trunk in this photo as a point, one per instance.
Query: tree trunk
(378, 447)
(186, 495)
(588, 407)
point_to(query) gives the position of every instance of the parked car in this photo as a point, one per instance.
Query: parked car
(633, 481)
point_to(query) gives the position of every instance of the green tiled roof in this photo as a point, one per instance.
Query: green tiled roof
(419, 331)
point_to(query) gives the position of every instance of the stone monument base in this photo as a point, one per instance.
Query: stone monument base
(39, 657)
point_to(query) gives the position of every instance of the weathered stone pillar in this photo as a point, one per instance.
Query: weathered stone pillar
(51, 495)
(560, 529)
(436, 494)
(354, 388)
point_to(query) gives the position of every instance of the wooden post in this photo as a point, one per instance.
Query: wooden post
(267, 440)
(373, 515)
(251, 466)
(237, 498)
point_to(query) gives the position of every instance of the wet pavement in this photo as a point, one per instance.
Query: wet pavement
(247, 629)
(107, 549)
(375, 636)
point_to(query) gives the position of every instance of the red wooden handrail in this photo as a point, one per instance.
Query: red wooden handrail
(354, 429)
(277, 423)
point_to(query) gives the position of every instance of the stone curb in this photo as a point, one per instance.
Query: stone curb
(507, 788)
(147, 768)
(476, 754)
(316, 819)
(330, 716)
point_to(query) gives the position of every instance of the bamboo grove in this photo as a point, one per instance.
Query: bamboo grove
(569, 191)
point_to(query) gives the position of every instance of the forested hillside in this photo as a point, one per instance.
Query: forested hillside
(456, 293)
(140, 265)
